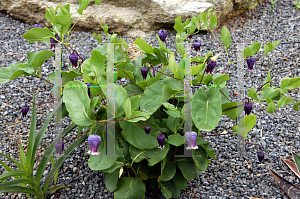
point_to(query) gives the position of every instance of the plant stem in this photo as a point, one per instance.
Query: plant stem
(174, 154)
(130, 77)
(43, 79)
(77, 136)
(225, 95)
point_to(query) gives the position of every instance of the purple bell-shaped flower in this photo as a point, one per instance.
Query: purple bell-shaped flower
(147, 129)
(25, 110)
(260, 156)
(197, 44)
(73, 57)
(161, 140)
(162, 35)
(210, 66)
(94, 142)
(190, 37)
(144, 71)
(53, 41)
(59, 147)
(191, 137)
(250, 62)
(38, 25)
(247, 108)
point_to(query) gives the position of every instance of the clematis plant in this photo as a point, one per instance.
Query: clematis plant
(135, 112)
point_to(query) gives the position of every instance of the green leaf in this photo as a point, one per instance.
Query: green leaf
(233, 113)
(135, 115)
(268, 92)
(135, 102)
(166, 192)
(176, 139)
(17, 163)
(38, 34)
(115, 166)
(26, 68)
(55, 188)
(36, 59)
(16, 182)
(210, 106)
(94, 102)
(17, 189)
(76, 98)
(111, 180)
(127, 108)
(252, 93)
(144, 46)
(168, 172)
(283, 101)
(179, 45)
(10, 73)
(202, 161)
(65, 77)
(296, 106)
(203, 18)
(172, 123)
(174, 190)
(31, 139)
(218, 80)
(224, 99)
(162, 45)
(290, 83)
(297, 161)
(178, 25)
(226, 38)
(172, 63)
(213, 21)
(196, 69)
(275, 43)
(271, 106)
(136, 136)
(173, 113)
(83, 4)
(188, 169)
(12, 174)
(120, 99)
(245, 125)
(6, 167)
(153, 156)
(254, 48)
(129, 187)
(267, 48)
(179, 180)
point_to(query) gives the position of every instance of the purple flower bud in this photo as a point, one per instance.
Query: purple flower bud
(94, 142)
(144, 71)
(210, 66)
(161, 140)
(197, 44)
(59, 147)
(25, 110)
(260, 156)
(38, 25)
(89, 90)
(53, 41)
(250, 62)
(191, 137)
(147, 129)
(248, 108)
(162, 35)
(190, 37)
(73, 59)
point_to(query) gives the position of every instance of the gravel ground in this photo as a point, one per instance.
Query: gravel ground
(233, 174)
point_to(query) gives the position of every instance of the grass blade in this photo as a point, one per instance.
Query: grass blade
(13, 173)
(31, 137)
(6, 166)
(53, 189)
(15, 182)
(17, 189)
(19, 165)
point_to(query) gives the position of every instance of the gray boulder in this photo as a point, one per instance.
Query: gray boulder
(134, 18)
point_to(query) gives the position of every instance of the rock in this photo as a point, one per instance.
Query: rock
(127, 16)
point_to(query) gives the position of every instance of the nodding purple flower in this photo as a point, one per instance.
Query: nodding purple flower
(161, 140)
(38, 25)
(73, 57)
(247, 108)
(94, 142)
(191, 137)
(59, 147)
(210, 66)
(250, 62)
(89, 90)
(162, 35)
(260, 156)
(53, 41)
(147, 129)
(25, 110)
(197, 44)
(144, 71)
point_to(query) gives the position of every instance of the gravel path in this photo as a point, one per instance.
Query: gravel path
(230, 175)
